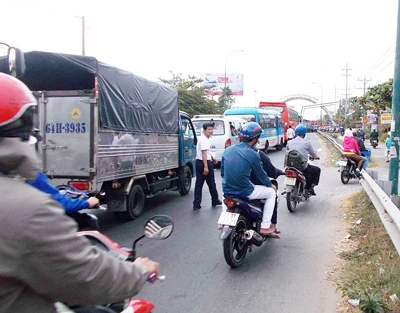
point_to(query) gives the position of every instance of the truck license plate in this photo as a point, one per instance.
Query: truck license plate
(291, 181)
(228, 218)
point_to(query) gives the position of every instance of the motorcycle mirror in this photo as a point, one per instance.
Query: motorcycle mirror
(16, 62)
(159, 227)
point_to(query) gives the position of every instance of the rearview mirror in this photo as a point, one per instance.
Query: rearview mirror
(16, 62)
(159, 227)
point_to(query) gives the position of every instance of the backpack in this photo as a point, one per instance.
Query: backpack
(295, 159)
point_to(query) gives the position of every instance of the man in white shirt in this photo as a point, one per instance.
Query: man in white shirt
(205, 168)
(290, 133)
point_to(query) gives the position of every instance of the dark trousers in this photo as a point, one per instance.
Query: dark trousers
(312, 172)
(209, 179)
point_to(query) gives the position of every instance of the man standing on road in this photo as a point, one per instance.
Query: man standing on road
(290, 133)
(205, 168)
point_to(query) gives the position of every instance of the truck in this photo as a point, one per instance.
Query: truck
(108, 131)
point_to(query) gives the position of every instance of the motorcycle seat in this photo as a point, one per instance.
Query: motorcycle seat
(244, 198)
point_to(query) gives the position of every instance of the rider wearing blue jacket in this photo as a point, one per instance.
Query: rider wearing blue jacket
(237, 163)
(70, 205)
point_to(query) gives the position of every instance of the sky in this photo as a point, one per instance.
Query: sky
(289, 46)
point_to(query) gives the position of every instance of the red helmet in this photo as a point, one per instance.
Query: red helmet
(16, 108)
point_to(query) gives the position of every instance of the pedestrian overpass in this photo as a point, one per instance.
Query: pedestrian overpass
(310, 106)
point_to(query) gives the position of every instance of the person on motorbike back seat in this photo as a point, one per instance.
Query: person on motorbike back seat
(304, 147)
(42, 260)
(360, 134)
(236, 165)
(40, 181)
(350, 149)
(272, 172)
(361, 147)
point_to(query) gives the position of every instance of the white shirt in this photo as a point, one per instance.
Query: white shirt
(203, 143)
(290, 133)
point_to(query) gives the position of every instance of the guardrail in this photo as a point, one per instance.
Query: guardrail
(387, 210)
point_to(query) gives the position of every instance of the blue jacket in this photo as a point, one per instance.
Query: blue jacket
(70, 205)
(237, 163)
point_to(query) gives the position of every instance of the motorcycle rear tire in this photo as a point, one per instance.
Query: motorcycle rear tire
(235, 246)
(291, 198)
(345, 176)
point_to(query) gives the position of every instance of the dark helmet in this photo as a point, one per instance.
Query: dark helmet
(250, 130)
(300, 130)
(16, 108)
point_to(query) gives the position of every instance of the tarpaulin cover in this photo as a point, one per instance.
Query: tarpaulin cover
(127, 102)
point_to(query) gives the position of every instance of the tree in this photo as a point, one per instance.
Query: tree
(192, 97)
(379, 97)
(225, 101)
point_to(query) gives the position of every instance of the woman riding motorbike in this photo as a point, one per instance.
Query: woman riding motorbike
(351, 149)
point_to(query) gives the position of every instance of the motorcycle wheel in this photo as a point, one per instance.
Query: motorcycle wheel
(345, 176)
(291, 198)
(235, 246)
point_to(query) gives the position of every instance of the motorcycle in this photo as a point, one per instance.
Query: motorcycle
(295, 186)
(240, 227)
(374, 142)
(85, 221)
(159, 227)
(347, 169)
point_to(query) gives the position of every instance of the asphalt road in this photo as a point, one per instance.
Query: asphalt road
(283, 275)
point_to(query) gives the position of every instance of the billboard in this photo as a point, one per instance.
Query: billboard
(386, 118)
(216, 83)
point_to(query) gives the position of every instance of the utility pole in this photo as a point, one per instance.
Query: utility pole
(347, 69)
(364, 88)
(364, 81)
(335, 92)
(395, 129)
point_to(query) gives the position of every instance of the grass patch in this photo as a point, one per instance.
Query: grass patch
(369, 265)
(333, 155)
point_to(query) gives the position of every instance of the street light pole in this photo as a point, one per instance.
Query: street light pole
(226, 59)
(322, 93)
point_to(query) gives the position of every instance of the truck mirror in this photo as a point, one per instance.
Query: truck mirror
(16, 62)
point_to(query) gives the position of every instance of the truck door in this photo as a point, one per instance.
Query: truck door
(189, 141)
(67, 146)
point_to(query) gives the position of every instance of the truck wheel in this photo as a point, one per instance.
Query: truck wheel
(135, 203)
(186, 181)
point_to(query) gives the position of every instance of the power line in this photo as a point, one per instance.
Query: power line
(383, 68)
(382, 58)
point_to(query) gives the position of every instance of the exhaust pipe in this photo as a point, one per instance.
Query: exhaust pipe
(254, 237)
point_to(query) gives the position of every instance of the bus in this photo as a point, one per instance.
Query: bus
(289, 115)
(269, 120)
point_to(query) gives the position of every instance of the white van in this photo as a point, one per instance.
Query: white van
(226, 131)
